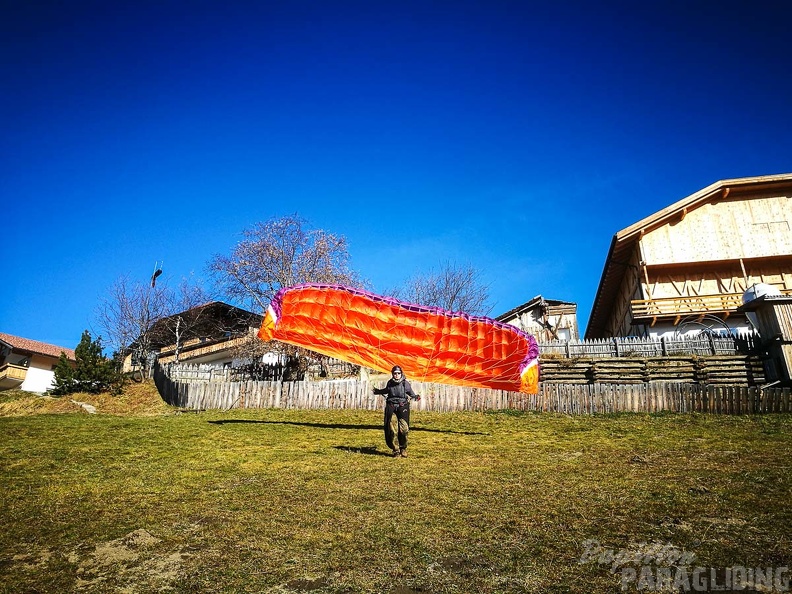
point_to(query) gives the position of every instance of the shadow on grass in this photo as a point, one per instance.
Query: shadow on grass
(370, 451)
(338, 426)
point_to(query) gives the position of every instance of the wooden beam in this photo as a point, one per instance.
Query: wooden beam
(646, 278)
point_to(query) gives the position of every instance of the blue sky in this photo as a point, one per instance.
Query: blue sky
(516, 137)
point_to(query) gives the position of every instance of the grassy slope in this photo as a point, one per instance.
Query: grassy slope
(137, 399)
(279, 501)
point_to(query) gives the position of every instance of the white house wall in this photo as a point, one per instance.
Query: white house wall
(40, 376)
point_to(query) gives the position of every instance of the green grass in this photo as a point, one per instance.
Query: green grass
(298, 501)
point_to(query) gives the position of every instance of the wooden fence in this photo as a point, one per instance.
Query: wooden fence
(721, 369)
(208, 372)
(561, 398)
(702, 344)
(702, 374)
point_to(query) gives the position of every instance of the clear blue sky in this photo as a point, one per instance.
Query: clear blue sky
(517, 137)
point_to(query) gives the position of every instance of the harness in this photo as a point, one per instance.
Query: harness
(400, 396)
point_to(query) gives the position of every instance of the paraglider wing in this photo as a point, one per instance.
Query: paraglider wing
(430, 344)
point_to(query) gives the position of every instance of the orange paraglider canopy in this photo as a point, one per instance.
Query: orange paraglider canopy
(430, 344)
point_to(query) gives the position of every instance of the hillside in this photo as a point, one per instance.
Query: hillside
(137, 399)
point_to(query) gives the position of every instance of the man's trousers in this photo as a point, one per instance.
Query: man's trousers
(397, 422)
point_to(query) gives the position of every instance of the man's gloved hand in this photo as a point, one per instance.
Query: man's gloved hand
(418, 398)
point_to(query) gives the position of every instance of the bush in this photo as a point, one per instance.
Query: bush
(92, 372)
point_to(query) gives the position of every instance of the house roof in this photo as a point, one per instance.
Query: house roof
(623, 242)
(214, 320)
(34, 347)
(218, 308)
(530, 305)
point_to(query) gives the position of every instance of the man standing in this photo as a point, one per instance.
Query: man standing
(397, 410)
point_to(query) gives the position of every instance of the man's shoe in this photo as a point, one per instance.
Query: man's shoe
(396, 453)
(403, 453)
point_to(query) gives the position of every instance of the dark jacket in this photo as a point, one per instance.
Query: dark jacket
(396, 392)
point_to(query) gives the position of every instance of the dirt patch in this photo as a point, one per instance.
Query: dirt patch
(123, 550)
(133, 563)
(128, 561)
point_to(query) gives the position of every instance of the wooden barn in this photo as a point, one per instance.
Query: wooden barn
(685, 269)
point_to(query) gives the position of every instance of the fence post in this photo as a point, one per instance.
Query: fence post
(712, 344)
(663, 348)
(616, 345)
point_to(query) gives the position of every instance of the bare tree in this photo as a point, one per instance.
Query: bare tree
(139, 318)
(452, 287)
(280, 253)
(128, 314)
(185, 315)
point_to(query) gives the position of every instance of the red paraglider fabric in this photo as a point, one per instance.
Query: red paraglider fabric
(430, 344)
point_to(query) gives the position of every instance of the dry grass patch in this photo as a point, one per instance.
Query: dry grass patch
(308, 501)
(136, 399)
